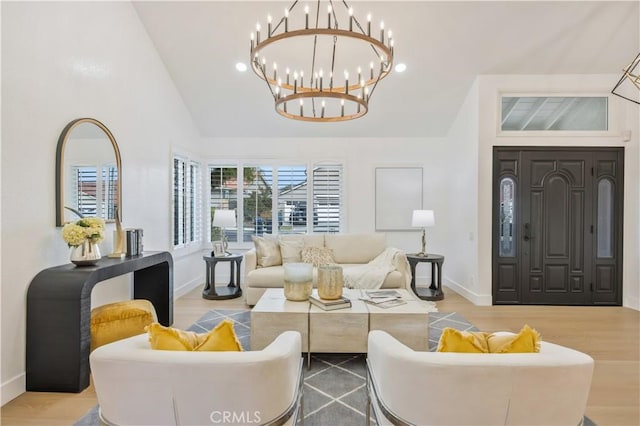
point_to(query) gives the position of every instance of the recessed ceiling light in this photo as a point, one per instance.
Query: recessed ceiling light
(401, 67)
(241, 66)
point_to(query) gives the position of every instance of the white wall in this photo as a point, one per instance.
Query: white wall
(461, 263)
(623, 115)
(62, 61)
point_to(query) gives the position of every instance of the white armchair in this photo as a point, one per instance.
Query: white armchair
(440, 388)
(141, 386)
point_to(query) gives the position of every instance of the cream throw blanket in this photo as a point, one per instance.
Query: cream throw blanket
(371, 275)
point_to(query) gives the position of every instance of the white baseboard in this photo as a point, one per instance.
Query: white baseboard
(185, 288)
(475, 298)
(13, 388)
(631, 303)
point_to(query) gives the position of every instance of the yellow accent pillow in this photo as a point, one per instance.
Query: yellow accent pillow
(267, 251)
(452, 340)
(221, 338)
(120, 320)
(527, 340)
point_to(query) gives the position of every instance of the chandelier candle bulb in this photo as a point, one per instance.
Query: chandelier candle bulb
(275, 71)
(342, 108)
(322, 113)
(346, 82)
(306, 17)
(258, 33)
(330, 82)
(287, 75)
(286, 20)
(371, 66)
(321, 80)
(369, 25)
(301, 78)
(329, 16)
(268, 26)
(295, 82)
(360, 75)
(251, 36)
(382, 32)
(301, 108)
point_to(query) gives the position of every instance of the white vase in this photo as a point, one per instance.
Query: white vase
(85, 254)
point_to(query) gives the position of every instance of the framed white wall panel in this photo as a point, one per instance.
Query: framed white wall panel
(398, 194)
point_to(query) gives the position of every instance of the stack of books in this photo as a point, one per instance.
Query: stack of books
(330, 305)
(383, 298)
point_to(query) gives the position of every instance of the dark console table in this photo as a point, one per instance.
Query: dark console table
(59, 315)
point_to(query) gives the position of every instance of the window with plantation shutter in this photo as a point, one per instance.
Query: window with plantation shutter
(187, 203)
(327, 197)
(292, 200)
(277, 199)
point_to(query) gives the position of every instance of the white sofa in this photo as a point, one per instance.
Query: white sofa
(349, 250)
(137, 385)
(546, 388)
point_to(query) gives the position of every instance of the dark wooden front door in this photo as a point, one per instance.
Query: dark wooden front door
(557, 226)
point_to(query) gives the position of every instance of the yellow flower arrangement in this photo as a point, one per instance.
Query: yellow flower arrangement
(89, 228)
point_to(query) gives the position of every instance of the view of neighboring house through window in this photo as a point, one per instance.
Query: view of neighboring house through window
(94, 190)
(187, 202)
(277, 199)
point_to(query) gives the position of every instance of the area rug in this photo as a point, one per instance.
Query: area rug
(334, 386)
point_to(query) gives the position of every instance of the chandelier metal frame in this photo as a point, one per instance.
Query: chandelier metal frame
(628, 73)
(355, 96)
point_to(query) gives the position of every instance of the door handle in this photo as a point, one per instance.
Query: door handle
(527, 232)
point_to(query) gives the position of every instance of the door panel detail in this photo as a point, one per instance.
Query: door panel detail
(556, 205)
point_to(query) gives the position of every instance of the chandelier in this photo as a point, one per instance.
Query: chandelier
(321, 64)
(630, 74)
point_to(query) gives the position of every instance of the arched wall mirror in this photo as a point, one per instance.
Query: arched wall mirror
(88, 170)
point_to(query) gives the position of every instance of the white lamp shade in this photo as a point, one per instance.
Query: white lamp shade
(224, 218)
(423, 218)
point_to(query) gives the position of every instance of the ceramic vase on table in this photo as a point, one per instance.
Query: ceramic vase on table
(330, 282)
(86, 254)
(298, 281)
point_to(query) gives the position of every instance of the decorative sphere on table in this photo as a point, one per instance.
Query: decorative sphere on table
(298, 281)
(330, 282)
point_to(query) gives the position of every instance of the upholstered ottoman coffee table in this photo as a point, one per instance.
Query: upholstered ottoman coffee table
(341, 330)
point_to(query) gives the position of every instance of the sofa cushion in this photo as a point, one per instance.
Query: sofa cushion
(291, 248)
(267, 251)
(355, 248)
(314, 240)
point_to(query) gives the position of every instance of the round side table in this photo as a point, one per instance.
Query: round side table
(434, 291)
(232, 290)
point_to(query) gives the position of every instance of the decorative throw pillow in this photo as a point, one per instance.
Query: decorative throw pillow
(221, 338)
(452, 340)
(317, 256)
(527, 340)
(267, 251)
(291, 250)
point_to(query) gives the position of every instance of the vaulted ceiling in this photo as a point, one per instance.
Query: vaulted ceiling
(445, 45)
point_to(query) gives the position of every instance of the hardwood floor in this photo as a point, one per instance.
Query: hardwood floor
(611, 335)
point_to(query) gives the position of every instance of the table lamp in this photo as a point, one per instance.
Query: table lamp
(224, 219)
(422, 219)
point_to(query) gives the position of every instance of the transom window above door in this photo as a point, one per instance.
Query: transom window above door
(553, 113)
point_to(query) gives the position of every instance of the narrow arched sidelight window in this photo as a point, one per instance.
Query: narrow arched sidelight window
(507, 242)
(605, 218)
